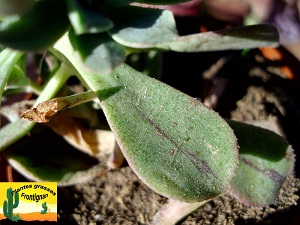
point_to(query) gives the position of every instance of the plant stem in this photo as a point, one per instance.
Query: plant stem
(174, 211)
(43, 111)
(54, 85)
(18, 129)
(8, 58)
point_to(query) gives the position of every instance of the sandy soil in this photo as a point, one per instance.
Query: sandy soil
(256, 90)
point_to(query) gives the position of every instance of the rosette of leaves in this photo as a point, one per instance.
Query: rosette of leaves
(104, 32)
(175, 144)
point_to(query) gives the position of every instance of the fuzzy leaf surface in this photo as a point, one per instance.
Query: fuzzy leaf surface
(265, 160)
(175, 144)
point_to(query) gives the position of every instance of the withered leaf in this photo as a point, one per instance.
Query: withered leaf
(42, 112)
(94, 142)
(45, 110)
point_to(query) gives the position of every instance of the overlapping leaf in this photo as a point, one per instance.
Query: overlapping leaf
(49, 162)
(265, 160)
(144, 28)
(175, 144)
(8, 59)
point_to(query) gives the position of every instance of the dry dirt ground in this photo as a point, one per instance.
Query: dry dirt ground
(256, 90)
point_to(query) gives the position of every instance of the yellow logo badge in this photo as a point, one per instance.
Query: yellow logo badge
(28, 201)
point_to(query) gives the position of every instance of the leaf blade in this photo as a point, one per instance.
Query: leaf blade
(143, 27)
(168, 138)
(232, 38)
(8, 59)
(266, 159)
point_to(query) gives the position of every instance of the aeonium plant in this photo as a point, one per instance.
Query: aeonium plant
(178, 146)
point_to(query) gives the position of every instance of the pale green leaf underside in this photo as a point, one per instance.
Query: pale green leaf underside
(176, 145)
(61, 163)
(8, 59)
(265, 160)
(154, 28)
(143, 28)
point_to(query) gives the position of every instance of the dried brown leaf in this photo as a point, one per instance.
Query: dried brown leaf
(94, 142)
(42, 112)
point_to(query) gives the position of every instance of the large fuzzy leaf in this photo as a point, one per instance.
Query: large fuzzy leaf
(176, 145)
(154, 28)
(265, 160)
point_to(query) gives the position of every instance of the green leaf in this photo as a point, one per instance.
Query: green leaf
(18, 82)
(12, 132)
(265, 161)
(98, 52)
(17, 78)
(55, 161)
(8, 59)
(87, 19)
(233, 38)
(143, 27)
(38, 28)
(175, 144)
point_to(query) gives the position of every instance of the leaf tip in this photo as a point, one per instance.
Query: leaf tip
(42, 112)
